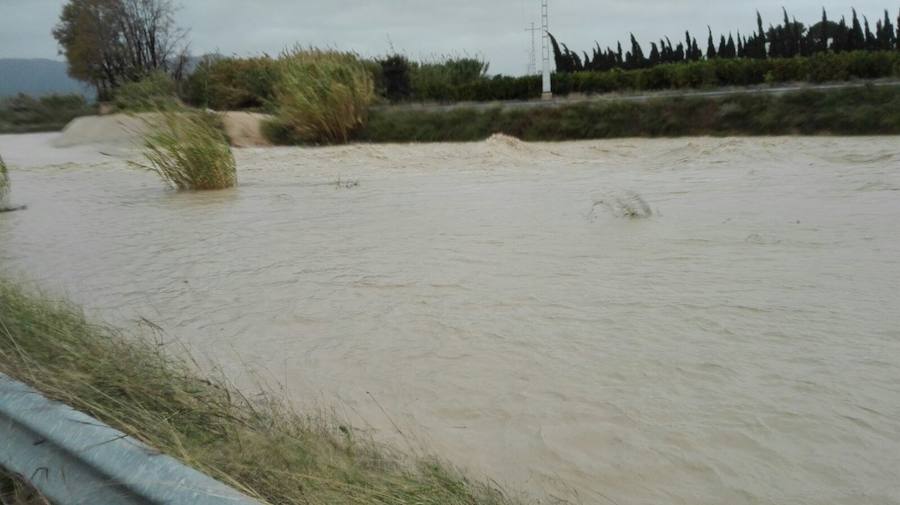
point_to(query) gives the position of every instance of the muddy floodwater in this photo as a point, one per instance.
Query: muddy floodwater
(690, 321)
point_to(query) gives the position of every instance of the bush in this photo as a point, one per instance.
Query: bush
(442, 80)
(189, 151)
(395, 76)
(154, 92)
(232, 83)
(25, 114)
(323, 97)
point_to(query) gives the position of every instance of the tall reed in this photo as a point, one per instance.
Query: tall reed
(323, 96)
(189, 151)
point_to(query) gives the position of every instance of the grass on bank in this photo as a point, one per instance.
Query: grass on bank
(189, 150)
(255, 444)
(322, 96)
(868, 110)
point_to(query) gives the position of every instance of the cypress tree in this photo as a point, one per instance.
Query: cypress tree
(637, 54)
(710, 46)
(857, 39)
(722, 50)
(696, 53)
(654, 54)
(871, 43)
(823, 44)
(888, 28)
(730, 48)
(741, 52)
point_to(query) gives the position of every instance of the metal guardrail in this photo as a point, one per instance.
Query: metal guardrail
(73, 459)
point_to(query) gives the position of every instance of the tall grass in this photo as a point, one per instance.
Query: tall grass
(256, 444)
(152, 93)
(189, 150)
(322, 96)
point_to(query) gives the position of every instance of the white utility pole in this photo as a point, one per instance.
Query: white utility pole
(545, 48)
(532, 62)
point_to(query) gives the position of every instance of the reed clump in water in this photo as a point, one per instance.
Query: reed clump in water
(189, 150)
(256, 445)
(4, 182)
(322, 96)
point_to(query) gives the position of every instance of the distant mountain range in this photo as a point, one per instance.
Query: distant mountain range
(38, 77)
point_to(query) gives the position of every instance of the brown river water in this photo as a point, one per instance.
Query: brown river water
(512, 308)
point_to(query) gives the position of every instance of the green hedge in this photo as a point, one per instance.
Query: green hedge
(234, 83)
(697, 75)
(866, 110)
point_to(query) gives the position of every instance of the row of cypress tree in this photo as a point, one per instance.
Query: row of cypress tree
(786, 40)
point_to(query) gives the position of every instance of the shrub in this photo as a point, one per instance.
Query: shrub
(25, 114)
(232, 83)
(189, 151)
(441, 80)
(395, 74)
(323, 96)
(154, 92)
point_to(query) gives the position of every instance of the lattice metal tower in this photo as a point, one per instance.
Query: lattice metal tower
(545, 47)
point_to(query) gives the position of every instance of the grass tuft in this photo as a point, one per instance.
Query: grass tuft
(256, 445)
(322, 96)
(189, 151)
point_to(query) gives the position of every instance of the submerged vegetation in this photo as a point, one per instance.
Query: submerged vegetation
(189, 150)
(255, 444)
(853, 111)
(323, 97)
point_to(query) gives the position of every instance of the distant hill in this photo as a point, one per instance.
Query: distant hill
(38, 77)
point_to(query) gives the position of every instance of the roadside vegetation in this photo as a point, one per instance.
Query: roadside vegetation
(255, 444)
(867, 110)
(189, 150)
(25, 114)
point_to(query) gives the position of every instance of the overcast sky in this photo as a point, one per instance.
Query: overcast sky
(493, 29)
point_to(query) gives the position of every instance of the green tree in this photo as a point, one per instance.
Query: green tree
(110, 42)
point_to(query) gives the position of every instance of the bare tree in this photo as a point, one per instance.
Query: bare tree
(110, 42)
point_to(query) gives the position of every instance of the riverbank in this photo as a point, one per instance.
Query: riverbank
(256, 444)
(868, 110)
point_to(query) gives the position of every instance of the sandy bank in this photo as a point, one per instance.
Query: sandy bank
(124, 130)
